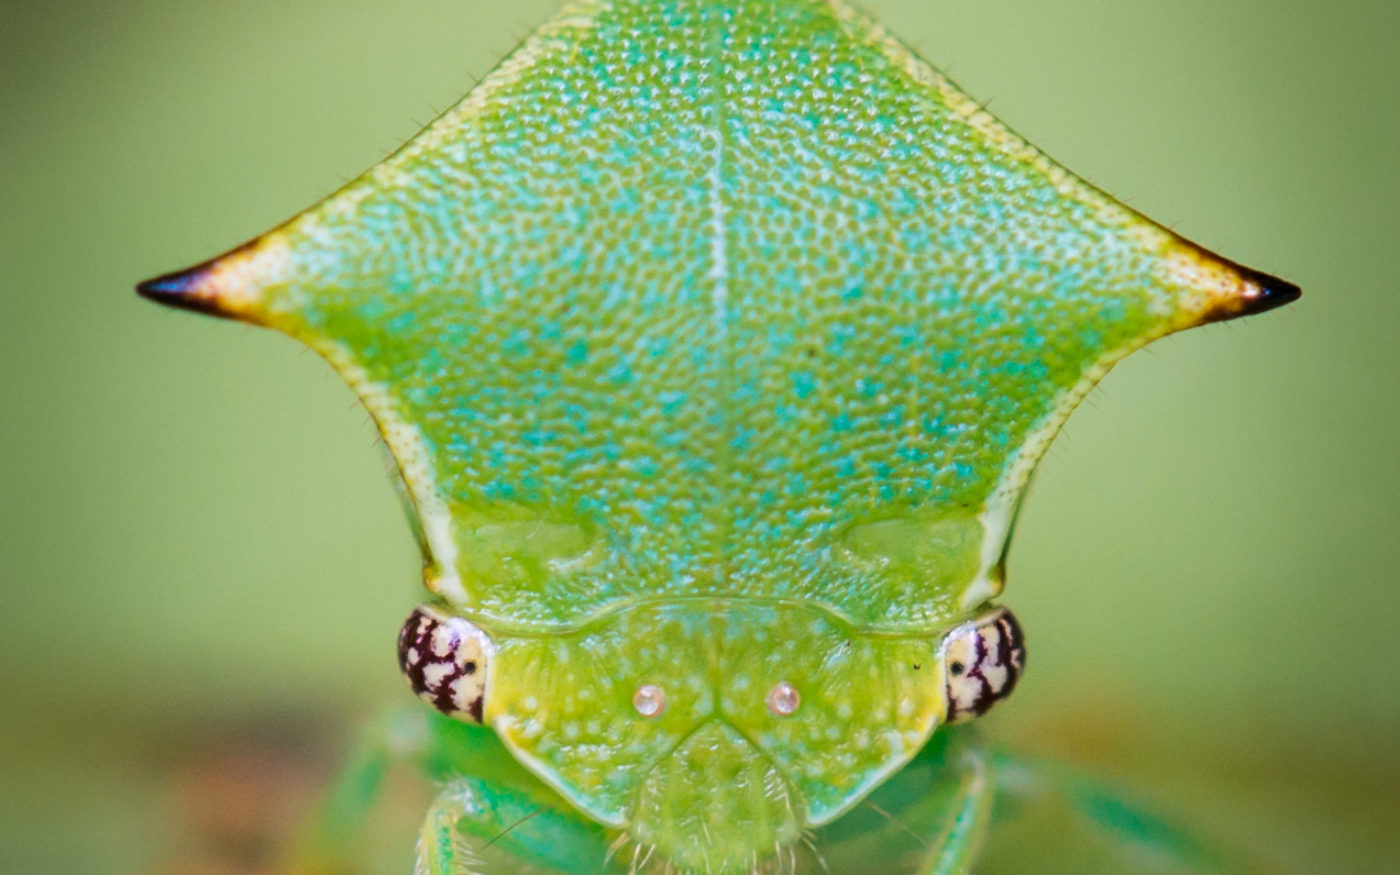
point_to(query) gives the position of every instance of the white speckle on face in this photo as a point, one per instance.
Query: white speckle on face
(784, 699)
(649, 700)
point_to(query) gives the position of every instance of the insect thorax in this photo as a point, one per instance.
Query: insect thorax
(888, 569)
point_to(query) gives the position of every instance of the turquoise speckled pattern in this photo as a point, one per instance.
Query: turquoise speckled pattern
(702, 287)
(715, 341)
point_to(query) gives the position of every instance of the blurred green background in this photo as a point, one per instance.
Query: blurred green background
(203, 567)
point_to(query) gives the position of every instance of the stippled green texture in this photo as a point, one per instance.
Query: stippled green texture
(715, 341)
(701, 286)
(867, 703)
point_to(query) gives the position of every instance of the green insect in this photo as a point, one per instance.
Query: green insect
(715, 342)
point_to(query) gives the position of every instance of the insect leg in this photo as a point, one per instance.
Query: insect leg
(472, 765)
(1129, 831)
(476, 827)
(956, 847)
(928, 819)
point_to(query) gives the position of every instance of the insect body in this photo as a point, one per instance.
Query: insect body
(715, 341)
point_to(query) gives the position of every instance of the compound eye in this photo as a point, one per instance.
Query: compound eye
(982, 661)
(445, 658)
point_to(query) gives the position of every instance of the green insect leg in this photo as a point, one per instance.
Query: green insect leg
(477, 828)
(957, 845)
(928, 819)
(490, 806)
(1102, 820)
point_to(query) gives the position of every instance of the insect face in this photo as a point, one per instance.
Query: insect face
(704, 726)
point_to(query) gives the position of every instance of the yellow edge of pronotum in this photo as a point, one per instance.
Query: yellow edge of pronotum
(414, 458)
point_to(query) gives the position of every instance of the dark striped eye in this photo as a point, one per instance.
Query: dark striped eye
(445, 660)
(982, 661)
